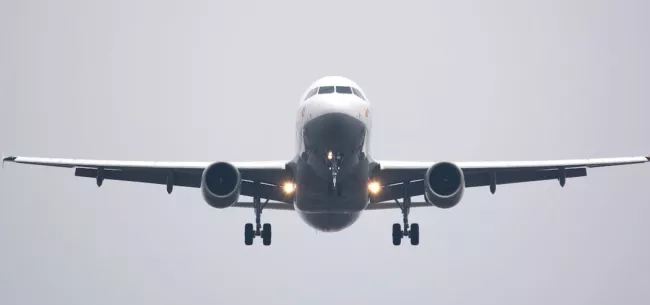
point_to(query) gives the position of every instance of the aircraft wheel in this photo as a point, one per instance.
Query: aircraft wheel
(397, 234)
(414, 234)
(266, 234)
(249, 234)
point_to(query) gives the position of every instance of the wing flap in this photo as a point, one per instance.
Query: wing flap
(271, 192)
(393, 205)
(515, 165)
(393, 174)
(550, 164)
(269, 206)
(109, 164)
(115, 164)
(520, 176)
(180, 178)
(270, 174)
(476, 179)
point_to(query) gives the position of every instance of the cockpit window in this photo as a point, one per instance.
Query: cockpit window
(344, 90)
(311, 93)
(358, 93)
(326, 90)
(333, 89)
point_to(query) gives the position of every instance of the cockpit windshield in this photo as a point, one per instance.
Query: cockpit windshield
(326, 90)
(335, 89)
(343, 89)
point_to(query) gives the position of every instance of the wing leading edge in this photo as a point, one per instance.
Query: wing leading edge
(270, 174)
(396, 176)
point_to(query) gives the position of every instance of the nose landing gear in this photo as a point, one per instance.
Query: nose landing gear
(334, 159)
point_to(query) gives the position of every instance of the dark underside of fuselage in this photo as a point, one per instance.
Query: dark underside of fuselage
(332, 141)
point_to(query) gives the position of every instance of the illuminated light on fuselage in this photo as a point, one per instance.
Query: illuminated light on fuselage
(374, 187)
(289, 187)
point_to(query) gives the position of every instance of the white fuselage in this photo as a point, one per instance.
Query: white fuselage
(319, 105)
(332, 131)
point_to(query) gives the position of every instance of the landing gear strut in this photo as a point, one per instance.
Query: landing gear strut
(412, 231)
(260, 230)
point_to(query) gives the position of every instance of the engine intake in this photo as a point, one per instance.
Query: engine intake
(444, 185)
(221, 185)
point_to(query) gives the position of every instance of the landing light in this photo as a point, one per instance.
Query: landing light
(374, 187)
(329, 155)
(289, 187)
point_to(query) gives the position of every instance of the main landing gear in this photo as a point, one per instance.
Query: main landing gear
(412, 231)
(260, 230)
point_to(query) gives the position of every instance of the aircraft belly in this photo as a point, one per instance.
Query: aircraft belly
(319, 203)
(312, 194)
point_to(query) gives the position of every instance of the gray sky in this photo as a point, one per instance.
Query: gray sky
(220, 80)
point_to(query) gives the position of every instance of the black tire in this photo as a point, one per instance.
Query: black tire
(397, 234)
(266, 234)
(414, 234)
(397, 241)
(249, 234)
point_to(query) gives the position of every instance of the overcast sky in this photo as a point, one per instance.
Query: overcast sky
(221, 80)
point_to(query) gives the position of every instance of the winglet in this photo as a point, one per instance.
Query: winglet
(6, 159)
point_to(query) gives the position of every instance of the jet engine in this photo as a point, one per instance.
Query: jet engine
(221, 185)
(444, 185)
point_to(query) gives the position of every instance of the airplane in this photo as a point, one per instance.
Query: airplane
(333, 177)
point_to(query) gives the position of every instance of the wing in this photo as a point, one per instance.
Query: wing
(270, 174)
(396, 175)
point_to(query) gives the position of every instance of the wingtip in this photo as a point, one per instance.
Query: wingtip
(648, 158)
(4, 159)
(10, 158)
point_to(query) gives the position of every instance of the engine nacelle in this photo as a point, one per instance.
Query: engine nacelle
(221, 185)
(444, 185)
